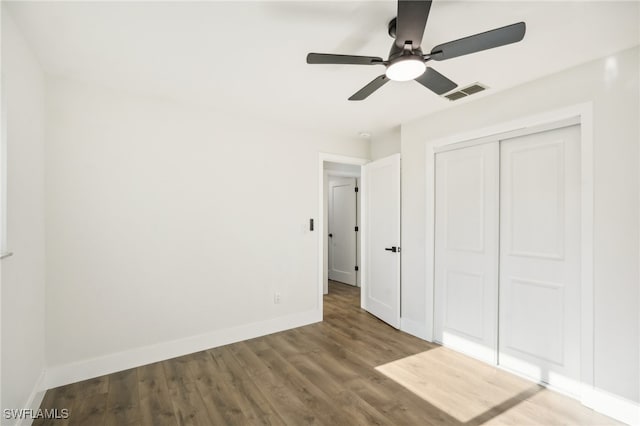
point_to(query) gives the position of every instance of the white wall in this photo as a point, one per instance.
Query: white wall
(386, 143)
(166, 221)
(612, 85)
(23, 274)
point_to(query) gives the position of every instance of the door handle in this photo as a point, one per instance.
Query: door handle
(330, 235)
(393, 249)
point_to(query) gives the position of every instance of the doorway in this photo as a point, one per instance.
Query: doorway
(335, 168)
(378, 232)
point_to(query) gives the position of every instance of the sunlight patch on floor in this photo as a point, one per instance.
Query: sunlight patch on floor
(464, 388)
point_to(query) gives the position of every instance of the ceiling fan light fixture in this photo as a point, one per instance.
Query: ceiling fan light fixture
(406, 68)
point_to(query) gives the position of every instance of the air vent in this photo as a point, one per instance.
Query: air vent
(474, 88)
(454, 96)
(466, 91)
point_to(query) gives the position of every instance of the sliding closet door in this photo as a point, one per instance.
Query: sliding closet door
(540, 256)
(466, 239)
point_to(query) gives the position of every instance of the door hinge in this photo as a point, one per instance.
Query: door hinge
(356, 229)
(357, 269)
(356, 189)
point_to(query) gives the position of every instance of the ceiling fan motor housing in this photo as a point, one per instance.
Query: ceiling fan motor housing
(402, 51)
(399, 52)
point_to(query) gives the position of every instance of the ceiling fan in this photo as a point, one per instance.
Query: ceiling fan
(406, 60)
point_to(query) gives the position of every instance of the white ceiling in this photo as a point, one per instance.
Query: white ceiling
(249, 57)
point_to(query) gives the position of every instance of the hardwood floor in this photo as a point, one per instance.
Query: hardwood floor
(350, 369)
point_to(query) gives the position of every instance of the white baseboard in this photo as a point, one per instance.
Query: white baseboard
(60, 375)
(612, 405)
(415, 328)
(35, 399)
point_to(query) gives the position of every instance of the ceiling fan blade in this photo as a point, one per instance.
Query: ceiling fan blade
(327, 58)
(476, 43)
(436, 82)
(374, 85)
(412, 18)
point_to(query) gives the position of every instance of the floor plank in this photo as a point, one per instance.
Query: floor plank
(153, 393)
(349, 369)
(123, 407)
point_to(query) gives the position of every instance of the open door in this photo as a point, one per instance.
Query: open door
(381, 218)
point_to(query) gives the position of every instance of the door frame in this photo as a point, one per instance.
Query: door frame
(581, 114)
(322, 237)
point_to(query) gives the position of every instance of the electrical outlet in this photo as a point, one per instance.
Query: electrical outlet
(276, 298)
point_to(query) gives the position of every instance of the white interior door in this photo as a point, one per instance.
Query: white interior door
(342, 230)
(381, 239)
(466, 250)
(540, 256)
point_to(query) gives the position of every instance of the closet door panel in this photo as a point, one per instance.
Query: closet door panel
(540, 256)
(466, 250)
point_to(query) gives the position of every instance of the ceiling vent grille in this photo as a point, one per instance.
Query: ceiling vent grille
(467, 91)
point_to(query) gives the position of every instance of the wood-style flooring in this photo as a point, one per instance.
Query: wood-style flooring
(349, 369)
